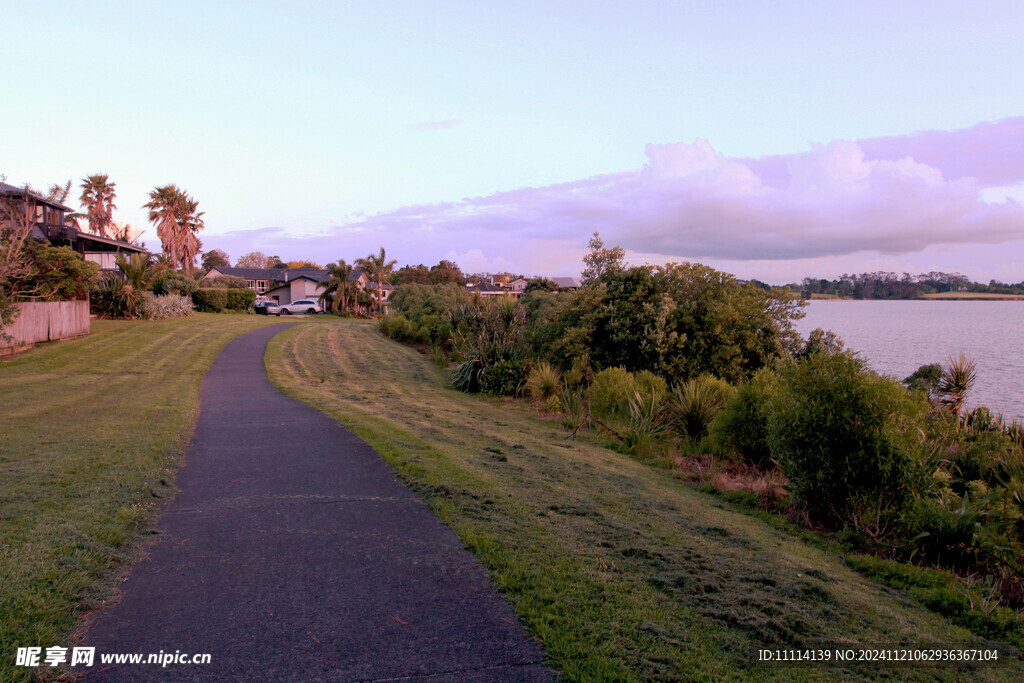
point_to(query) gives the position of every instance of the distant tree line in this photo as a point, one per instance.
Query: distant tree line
(885, 285)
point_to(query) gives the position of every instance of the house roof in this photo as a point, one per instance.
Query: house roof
(89, 237)
(6, 189)
(275, 274)
(485, 287)
(567, 282)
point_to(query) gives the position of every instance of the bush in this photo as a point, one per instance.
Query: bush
(210, 300)
(646, 382)
(741, 426)
(170, 282)
(240, 299)
(225, 282)
(610, 393)
(504, 378)
(165, 306)
(849, 441)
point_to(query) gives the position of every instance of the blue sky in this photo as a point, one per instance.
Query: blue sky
(503, 134)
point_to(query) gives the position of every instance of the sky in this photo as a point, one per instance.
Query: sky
(773, 140)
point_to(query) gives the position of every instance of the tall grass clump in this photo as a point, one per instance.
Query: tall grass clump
(159, 307)
(692, 406)
(646, 423)
(544, 385)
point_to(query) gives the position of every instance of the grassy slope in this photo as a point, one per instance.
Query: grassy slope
(92, 432)
(621, 571)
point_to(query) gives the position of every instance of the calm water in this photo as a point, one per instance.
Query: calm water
(897, 337)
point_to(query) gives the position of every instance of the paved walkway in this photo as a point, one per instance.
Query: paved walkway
(292, 552)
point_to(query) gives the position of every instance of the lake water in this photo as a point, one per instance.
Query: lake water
(897, 337)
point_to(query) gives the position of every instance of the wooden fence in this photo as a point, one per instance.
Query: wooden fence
(41, 321)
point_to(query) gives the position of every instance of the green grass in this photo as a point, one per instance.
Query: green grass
(621, 571)
(92, 433)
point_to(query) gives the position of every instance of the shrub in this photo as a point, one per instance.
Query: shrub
(504, 378)
(610, 393)
(925, 379)
(165, 306)
(544, 382)
(225, 282)
(239, 299)
(210, 300)
(692, 406)
(848, 440)
(170, 282)
(115, 298)
(646, 382)
(741, 426)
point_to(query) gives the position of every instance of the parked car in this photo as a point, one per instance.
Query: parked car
(266, 307)
(298, 307)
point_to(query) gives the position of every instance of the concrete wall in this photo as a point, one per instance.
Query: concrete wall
(41, 321)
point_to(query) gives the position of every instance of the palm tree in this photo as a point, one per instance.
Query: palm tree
(957, 379)
(177, 219)
(377, 268)
(138, 270)
(337, 289)
(98, 199)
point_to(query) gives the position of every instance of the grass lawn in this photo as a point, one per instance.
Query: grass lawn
(93, 430)
(620, 570)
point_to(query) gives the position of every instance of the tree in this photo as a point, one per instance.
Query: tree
(303, 264)
(377, 269)
(337, 289)
(601, 263)
(411, 275)
(958, 376)
(255, 259)
(17, 218)
(177, 219)
(446, 272)
(98, 199)
(215, 258)
(540, 284)
(59, 193)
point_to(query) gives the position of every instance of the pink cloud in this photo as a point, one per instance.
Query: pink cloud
(866, 200)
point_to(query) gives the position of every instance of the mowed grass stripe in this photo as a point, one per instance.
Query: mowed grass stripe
(95, 431)
(621, 571)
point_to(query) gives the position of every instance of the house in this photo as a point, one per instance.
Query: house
(53, 226)
(567, 282)
(517, 287)
(283, 285)
(487, 289)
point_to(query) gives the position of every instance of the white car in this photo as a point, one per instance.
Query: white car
(299, 307)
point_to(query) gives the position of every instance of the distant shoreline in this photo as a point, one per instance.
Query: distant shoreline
(942, 296)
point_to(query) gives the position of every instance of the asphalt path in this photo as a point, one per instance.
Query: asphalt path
(292, 552)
